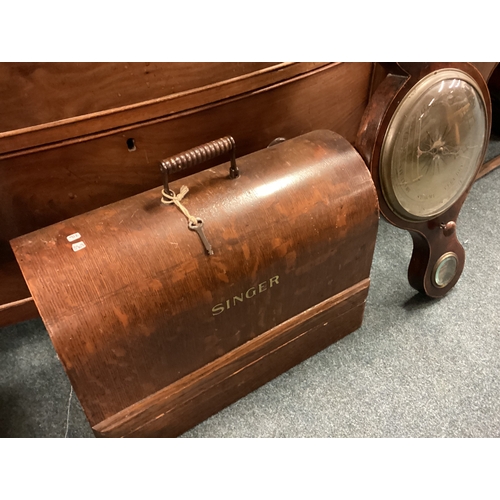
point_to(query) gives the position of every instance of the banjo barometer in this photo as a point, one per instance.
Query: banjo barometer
(424, 136)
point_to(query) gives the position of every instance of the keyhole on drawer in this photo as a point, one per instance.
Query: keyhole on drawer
(131, 144)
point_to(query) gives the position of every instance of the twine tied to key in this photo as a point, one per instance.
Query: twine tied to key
(175, 199)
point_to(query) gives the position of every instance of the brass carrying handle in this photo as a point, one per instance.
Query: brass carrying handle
(195, 156)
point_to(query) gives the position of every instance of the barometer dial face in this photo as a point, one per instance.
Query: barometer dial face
(433, 145)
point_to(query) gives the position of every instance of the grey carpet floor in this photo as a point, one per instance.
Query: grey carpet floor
(416, 368)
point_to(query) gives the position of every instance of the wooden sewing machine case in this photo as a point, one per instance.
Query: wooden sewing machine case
(155, 334)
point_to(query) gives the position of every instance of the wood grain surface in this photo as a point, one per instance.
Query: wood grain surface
(140, 305)
(40, 93)
(485, 68)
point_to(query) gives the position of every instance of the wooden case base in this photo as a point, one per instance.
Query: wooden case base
(201, 394)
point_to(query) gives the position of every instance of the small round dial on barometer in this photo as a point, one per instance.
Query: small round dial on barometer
(424, 136)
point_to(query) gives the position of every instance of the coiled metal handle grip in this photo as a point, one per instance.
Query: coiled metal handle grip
(195, 156)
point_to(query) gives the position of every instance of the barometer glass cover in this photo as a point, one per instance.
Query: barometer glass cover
(433, 145)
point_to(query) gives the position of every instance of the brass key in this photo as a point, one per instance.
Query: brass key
(199, 229)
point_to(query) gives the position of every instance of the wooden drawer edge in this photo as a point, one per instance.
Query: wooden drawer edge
(17, 311)
(53, 134)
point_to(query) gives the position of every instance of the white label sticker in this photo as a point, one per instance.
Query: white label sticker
(78, 246)
(74, 236)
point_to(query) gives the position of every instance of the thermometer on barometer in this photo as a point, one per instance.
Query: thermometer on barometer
(424, 136)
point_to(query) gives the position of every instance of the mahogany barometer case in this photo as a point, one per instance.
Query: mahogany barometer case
(170, 305)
